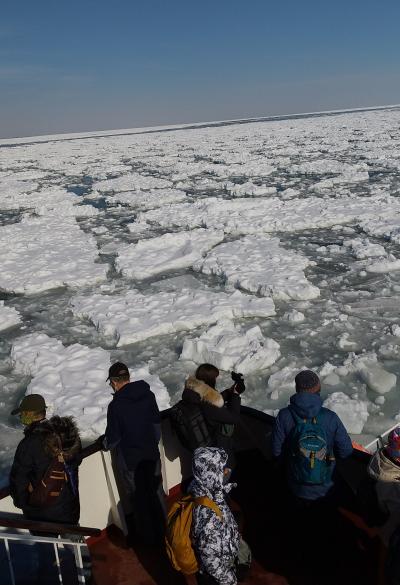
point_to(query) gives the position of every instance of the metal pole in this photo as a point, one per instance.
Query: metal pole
(81, 576)
(58, 563)
(9, 561)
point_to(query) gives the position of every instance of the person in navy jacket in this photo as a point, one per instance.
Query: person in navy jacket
(307, 403)
(132, 434)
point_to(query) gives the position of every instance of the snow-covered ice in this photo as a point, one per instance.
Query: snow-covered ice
(167, 252)
(305, 210)
(39, 254)
(9, 317)
(352, 412)
(260, 265)
(72, 379)
(229, 348)
(134, 316)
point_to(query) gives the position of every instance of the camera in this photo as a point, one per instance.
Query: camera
(239, 382)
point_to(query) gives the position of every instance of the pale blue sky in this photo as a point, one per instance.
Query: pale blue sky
(101, 64)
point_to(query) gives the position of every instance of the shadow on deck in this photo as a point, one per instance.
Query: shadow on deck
(316, 548)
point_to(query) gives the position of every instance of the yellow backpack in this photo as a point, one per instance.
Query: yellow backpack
(178, 542)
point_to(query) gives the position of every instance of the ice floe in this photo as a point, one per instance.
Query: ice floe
(352, 412)
(229, 348)
(40, 254)
(144, 200)
(167, 252)
(9, 317)
(135, 316)
(260, 265)
(258, 216)
(72, 379)
(131, 182)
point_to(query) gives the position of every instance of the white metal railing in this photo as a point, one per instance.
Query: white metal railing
(78, 549)
(379, 440)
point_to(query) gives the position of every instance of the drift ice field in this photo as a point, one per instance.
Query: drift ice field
(263, 247)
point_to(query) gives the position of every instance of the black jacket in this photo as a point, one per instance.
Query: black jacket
(31, 461)
(221, 411)
(133, 424)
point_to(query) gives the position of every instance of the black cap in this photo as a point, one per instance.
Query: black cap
(31, 403)
(117, 370)
(307, 381)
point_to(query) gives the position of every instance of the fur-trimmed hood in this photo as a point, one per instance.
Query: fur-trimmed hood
(58, 426)
(204, 391)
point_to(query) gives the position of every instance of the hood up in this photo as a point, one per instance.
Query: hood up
(204, 391)
(63, 427)
(133, 391)
(208, 473)
(305, 404)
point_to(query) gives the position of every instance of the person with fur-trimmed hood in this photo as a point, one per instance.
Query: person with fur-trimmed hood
(220, 410)
(34, 455)
(215, 540)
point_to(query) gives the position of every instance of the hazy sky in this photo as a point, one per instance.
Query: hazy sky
(69, 65)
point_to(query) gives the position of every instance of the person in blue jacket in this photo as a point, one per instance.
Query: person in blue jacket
(306, 405)
(132, 434)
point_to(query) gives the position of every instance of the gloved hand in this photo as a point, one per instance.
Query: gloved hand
(239, 385)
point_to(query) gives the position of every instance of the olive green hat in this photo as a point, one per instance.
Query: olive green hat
(31, 403)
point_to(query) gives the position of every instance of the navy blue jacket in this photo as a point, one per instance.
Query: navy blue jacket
(308, 405)
(133, 424)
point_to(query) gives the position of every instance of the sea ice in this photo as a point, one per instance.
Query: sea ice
(229, 348)
(258, 216)
(145, 200)
(250, 189)
(363, 248)
(260, 265)
(72, 379)
(134, 316)
(9, 317)
(167, 252)
(51, 201)
(352, 412)
(44, 253)
(132, 182)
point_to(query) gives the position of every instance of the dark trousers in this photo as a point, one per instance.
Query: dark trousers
(146, 519)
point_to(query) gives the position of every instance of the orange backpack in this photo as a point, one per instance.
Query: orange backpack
(178, 542)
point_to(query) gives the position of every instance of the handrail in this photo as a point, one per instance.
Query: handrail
(53, 527)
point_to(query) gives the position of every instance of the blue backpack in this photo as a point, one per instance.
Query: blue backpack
(308, 460)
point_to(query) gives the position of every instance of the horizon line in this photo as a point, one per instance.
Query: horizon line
(59, 136)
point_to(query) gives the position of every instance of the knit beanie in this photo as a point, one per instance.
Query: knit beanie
(307, 381)
(393, 446)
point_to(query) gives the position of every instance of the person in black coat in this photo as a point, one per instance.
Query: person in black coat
(133, 432)
(34, 455)
(220, 410)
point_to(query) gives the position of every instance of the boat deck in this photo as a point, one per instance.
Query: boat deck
(322, 547)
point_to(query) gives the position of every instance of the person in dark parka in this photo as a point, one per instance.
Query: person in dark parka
(220, 410)
(133, 432)
(34, 455)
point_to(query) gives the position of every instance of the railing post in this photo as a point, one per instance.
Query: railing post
(57, 562)
(9, 561)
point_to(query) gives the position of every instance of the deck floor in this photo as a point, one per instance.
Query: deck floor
(324, 551)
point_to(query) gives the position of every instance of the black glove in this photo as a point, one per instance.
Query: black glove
(239, 386)
(100, 441)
